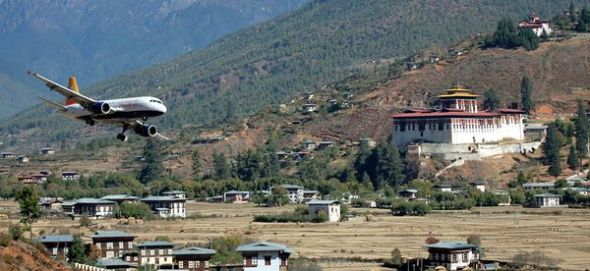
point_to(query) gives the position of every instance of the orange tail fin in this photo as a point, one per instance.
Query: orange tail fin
(73, 85)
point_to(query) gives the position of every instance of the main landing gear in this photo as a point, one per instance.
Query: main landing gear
(122, 135)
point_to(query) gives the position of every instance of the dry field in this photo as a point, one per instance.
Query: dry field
(560, 233)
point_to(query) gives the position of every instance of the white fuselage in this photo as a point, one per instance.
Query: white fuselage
(126, 108)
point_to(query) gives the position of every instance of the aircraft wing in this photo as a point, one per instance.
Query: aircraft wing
(51, 103)
(68, 93)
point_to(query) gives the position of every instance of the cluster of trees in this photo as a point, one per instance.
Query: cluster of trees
(509, 36)
(410, 208)
(301, 214)
(382, 166)
(136, 210)
(278, 197)
(559, 134)
(577, 20)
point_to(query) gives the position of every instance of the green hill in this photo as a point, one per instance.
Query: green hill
(323, 42)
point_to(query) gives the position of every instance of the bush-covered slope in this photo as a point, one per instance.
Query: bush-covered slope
(302, 51)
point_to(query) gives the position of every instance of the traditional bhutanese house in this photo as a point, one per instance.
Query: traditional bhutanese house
(116, 264)
(112, 244)
(193, 258)
(537, 25)
(452, 255)
(309, 145)
(58, 246)
(166, 206)
(295, 192)
(7, 155)
(479, 185)
(265, 256)
(70, 176)
(330, 207)
(51, 204)
(175, 193)
(22, 159)
(535, 132)
(443, 187)
(409, 194)
(94, 207)
(309, 195)
(236, 196)
(547, 200)
(544, 186)
(155, 254)
(458, 121)
(325, 144)
(308, 108)
(68, 207)
(120, 199)
(33, 179)
(47, 151)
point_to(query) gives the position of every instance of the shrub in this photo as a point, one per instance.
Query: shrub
(16, 231)
(84, 221)
(5, 239)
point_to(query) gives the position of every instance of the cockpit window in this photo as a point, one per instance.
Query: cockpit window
(155, 101)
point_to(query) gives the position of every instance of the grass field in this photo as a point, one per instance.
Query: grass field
(561, 233)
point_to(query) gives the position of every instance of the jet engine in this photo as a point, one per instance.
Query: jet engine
(101, 108)
(146, 130)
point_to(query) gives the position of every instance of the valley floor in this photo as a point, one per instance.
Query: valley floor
(559, 233)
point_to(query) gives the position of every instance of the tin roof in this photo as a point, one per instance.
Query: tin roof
(263, 246)
(194, 251)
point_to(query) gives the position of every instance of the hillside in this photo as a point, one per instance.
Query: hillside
(99, 39)
(321, 43)
(22, 256)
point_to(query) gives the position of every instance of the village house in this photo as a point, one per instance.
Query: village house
(330, 207)
(547, 200)
(33, 179)
(504, 196)
(94, 207)
(265, 256)
(166, 206)
(48, 151)
(546, 186)
(535, 132)
(479, 185)
(22, 159)
(325, 144)
(175, 193)
(58, 246)
(120, 199)
(368, 141)
(115, 264)
(112, 244)
(452, 255)
(155, 254)
(236, 196)
(310, 195)
(193, 258)
(51, 204)
(409, 194)
(443, 187)
(309, 145)
(537, 25)
(70, 176)
(131, 256)
(7, 155)
(68, 207)
(308, 108)
(457, 121)
(295, 192)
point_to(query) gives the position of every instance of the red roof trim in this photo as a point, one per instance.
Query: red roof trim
(445, 114)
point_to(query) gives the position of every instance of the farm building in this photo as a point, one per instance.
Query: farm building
(547, 200)
(265, 256)
(452, 255)
(112, 244)
(166, 206)
(193, 258)
(330, 207)
(58, 246)
(155, 254)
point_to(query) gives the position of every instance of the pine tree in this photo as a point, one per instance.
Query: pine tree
(506, 34)
(196, 157)
(389, 166)
(491, 101)
(551, 151)
(526, 91)
(528, 39)
(572, 11)
(583, 21)
(360, 162)
(77, 252)
(153, 168)
(582, 130)
(573, 160)
(221, 169)
(28, 200)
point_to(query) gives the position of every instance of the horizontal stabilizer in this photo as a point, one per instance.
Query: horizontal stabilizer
(53, 104)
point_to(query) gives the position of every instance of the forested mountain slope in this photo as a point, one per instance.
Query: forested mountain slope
(98, 39)
(323, 42)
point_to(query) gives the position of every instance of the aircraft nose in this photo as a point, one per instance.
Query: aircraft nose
(163, 109)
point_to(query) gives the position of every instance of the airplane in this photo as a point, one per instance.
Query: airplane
(130, 113)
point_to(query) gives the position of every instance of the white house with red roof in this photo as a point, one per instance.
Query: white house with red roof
(537, 25)
(457, 120)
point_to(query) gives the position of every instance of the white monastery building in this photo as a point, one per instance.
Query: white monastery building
(457, 120)
(535, 24)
